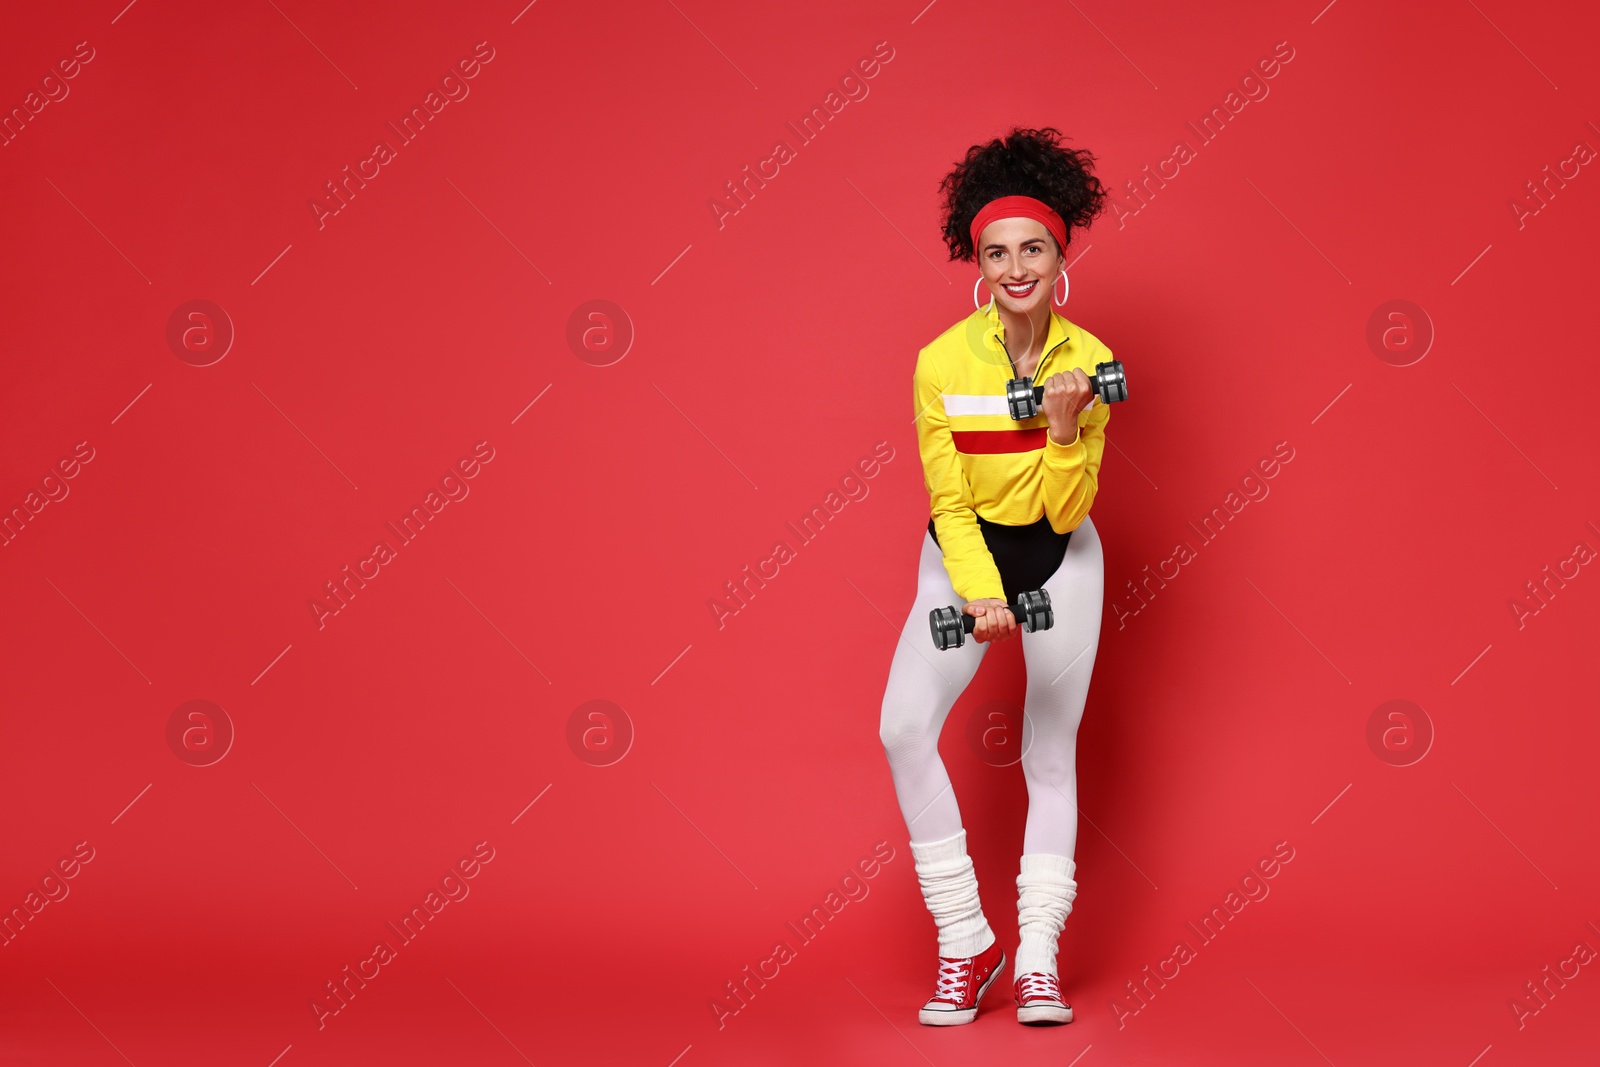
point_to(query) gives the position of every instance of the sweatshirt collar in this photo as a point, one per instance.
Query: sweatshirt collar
(994, 329)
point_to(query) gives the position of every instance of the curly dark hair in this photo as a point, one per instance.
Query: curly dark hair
(1025, 163)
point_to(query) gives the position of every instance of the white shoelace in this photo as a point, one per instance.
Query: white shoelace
(952, 981)
(1038, 984)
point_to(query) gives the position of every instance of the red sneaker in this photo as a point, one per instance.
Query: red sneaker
(961, 983)
(1039, 1000)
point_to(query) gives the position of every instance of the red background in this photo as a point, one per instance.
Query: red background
(769, 355)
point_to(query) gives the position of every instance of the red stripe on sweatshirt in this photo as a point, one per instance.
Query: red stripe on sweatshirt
(991, 442)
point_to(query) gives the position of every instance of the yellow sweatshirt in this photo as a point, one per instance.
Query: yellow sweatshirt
(977, 460)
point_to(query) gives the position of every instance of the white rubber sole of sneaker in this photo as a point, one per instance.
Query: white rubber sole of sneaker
(1044, 1015)
(939, 1017)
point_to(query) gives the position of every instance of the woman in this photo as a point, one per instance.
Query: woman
(1010, 512)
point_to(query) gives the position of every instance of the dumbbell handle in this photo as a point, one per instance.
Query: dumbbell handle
(1094, 383)
(970, 621)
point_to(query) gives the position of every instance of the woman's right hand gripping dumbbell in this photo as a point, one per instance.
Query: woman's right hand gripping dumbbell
(994, 620)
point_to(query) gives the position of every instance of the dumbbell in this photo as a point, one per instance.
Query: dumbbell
(1024, 398)
(951, 625)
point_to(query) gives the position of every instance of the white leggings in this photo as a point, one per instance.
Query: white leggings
(924, 684)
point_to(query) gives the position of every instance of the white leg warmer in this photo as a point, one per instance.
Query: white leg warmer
(1045, 892)
(950, 888)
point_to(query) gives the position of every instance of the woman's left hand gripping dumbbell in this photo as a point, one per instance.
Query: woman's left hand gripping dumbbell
(994, 620)
(1065, 396)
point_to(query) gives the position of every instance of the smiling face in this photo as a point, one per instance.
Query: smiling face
(1020, 263)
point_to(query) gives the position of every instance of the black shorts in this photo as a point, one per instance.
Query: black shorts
(1026, 555)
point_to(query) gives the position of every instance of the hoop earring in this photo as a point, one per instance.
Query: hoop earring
(975, 303)
(1066, 289)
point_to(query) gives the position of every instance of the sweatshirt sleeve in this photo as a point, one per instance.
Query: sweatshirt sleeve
(1072, 472)
(967, 559)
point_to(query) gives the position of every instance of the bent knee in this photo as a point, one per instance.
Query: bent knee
(1050, 764)
(905, 736)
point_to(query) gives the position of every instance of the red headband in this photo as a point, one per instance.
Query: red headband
(1009, 207)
